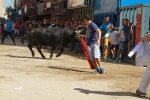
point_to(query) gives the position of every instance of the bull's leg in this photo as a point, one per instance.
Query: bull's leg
(61, 51)
(30, 47)
(52, 51)
(39, 50)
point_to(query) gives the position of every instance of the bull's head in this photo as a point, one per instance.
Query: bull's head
(83, 31)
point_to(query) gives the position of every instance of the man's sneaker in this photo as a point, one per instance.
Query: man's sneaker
(116, 60)
(120, 61)
(14, 43)
(102, 71)
(1, 43)
(138, 92)
(95, 71)
(107, 59)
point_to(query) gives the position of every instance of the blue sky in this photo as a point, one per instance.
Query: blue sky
(7, 3)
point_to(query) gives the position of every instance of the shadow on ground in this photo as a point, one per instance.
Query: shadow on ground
(85, 91)
(66, 69)
(22, 57)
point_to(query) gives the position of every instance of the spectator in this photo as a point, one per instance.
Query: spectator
(13, 29)
(114, 40)
(30, 24)
(22, 28)
(16, 29)
(78, 44)
(34, 25)
(75, 25)
(130, 41)
(66, 25)
(104, 28)
(2, 27)
(56, 24)
(45, 24)
(124, 38)
(80, 25)
(53, 24)
(8, 30)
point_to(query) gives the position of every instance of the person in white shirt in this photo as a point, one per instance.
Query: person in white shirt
(121, 37)
(13, 28)
(4, 26)
(145, 81)
(114, 40)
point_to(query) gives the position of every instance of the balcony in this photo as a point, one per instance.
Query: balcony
(43, 8)
(73, 4)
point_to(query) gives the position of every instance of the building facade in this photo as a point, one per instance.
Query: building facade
(55, 9)
(78, 9)
(2, 10)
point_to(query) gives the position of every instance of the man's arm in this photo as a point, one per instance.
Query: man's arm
(115, 28)
(118, 33)
(99, 35)
(146, 38)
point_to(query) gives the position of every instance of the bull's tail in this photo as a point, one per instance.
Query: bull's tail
(22, 40)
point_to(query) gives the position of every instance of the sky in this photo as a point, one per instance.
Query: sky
(8, 3)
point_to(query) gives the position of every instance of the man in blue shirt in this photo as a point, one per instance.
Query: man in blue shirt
(104, 27)
(22, 28)
(92, 39)
(8, 30)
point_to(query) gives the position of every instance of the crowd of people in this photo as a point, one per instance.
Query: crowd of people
(113, 43)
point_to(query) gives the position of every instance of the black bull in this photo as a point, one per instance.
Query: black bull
(53, 37)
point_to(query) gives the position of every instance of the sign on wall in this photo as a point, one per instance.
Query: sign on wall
(58, 8)
(104, 6)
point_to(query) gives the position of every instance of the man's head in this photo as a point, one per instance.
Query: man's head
(34, 22)
(54, 22)
(79, 22)
(8, 18)
(125, 22)
(107, 19)
(87, 19)
(75, 22)
(44, 20)
(66, 23)
(110, 29)
(83, 24)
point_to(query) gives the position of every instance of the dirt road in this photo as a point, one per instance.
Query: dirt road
(68, 77)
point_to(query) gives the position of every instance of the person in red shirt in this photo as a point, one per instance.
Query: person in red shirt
(26, 25)
(16, 29)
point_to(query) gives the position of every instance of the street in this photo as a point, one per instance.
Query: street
(68, 77)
